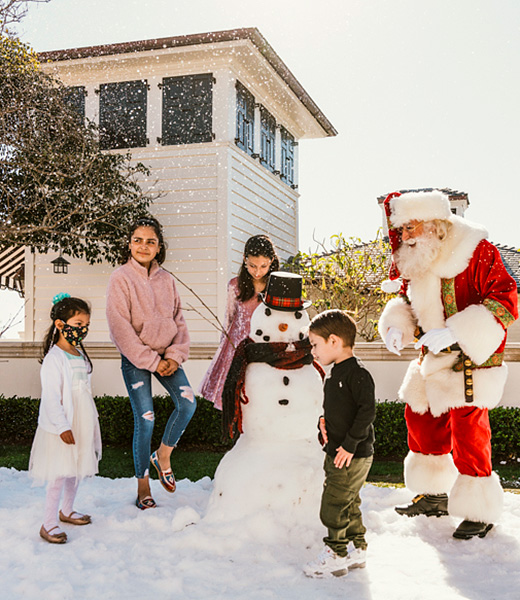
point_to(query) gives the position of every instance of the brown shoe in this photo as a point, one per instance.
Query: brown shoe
(431, 505)
(78, 520)
(58, 538)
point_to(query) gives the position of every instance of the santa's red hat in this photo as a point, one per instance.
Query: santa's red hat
(401, 208)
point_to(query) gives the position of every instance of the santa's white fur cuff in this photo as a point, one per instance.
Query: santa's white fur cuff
(477, 499)
(429, 473)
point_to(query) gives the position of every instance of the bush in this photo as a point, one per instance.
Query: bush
(19, 418)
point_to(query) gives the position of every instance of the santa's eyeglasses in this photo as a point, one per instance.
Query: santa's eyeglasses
(409, 228)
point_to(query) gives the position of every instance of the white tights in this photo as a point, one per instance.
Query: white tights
(69, 485)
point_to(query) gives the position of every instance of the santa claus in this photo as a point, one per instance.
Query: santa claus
(456, 301)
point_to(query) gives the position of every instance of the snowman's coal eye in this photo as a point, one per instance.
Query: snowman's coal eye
(286, 380)
(301, 335)
(298, 314)
(258, 332)
(266, 338)
(268, 312)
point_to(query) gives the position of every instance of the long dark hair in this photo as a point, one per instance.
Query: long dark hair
(258, 245)
(63, 310)
(145, 222)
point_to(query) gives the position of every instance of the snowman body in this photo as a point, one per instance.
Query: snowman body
(275, 468)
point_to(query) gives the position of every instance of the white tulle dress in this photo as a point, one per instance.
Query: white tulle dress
(51, 457)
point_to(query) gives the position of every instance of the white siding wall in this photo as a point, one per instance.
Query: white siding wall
(213, 196)
(261, 203)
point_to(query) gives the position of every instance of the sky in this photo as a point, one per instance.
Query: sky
(422, 94)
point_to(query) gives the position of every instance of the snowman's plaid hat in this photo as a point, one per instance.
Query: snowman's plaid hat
(284, 291)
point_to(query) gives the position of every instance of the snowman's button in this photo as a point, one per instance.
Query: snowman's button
(286, 380)
(283, 402)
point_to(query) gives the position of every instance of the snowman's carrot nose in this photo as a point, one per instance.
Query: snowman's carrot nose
(283, 326)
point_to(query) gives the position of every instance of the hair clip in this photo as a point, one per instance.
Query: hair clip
(59, 297)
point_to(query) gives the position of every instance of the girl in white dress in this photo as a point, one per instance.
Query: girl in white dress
(67, 443)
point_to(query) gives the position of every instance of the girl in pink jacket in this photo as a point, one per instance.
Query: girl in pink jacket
(147, 326)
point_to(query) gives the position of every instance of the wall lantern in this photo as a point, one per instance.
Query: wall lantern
(60, 265)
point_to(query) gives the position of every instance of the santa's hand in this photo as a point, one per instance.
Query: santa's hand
(394, 340)
(437, 339)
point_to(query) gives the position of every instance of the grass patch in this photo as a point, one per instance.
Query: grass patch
(118, 462)
(195, 464)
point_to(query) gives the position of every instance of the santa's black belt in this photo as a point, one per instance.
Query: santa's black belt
(467, 365)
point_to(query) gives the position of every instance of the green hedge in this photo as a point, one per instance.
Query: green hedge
(19, 417)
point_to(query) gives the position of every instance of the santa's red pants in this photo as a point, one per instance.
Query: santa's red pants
(465, 431)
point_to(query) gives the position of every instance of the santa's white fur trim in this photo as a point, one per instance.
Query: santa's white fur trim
(426, 299)
(420, 206)
(434, 386)
(429, 473)
(458, 247)
(391, 286)
(477, 498)
(398, 313)
(413, 389)
(477, 331)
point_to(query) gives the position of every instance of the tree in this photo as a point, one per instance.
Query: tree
(58, 191)
(348, 278)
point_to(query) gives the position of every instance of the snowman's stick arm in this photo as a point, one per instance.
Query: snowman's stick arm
(218, 325)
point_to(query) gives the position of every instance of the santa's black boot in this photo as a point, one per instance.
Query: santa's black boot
(425, 504)
(468, 529)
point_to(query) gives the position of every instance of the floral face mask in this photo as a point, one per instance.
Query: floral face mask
(74, 335)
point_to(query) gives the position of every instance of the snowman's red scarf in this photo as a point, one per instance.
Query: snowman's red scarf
(281, 355)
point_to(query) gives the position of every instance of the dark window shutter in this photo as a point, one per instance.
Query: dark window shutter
(75, 98)
(122, 115)
(245, 119)
(287, 163)
(187, 114)
(267, 135)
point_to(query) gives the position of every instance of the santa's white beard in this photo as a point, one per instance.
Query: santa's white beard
(415, 256)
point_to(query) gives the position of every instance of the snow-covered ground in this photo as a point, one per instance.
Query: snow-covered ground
(173, 552)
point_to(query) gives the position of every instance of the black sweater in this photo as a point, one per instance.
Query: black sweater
(349, 408)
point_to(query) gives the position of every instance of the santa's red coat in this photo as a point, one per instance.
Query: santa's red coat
(468, 290)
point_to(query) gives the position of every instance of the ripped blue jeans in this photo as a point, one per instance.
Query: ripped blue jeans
(139, 386)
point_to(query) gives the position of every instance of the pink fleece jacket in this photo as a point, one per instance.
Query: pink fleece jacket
(145, 317)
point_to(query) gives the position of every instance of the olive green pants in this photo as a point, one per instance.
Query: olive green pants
(340, 510)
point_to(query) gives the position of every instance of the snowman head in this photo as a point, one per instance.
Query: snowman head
(281, 317)
(270, 325)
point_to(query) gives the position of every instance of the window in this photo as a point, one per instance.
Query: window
(267, 139)
(75, 98)
(187, 109)
(287, 163)
(122, 115)
(245, 119)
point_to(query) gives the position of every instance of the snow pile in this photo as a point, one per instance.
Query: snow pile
(174, 552)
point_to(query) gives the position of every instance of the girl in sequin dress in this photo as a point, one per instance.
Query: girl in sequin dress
(260, 259)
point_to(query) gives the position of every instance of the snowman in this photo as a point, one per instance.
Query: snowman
(273, 397)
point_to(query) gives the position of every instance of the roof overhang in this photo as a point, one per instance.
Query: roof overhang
(217, 39)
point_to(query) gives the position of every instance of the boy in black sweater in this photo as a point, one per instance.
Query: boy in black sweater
(347, 434)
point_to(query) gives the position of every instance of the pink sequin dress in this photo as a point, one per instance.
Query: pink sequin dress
(237, 324)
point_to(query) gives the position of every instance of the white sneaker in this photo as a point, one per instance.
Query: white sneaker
(356, 559)
(328, 563)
